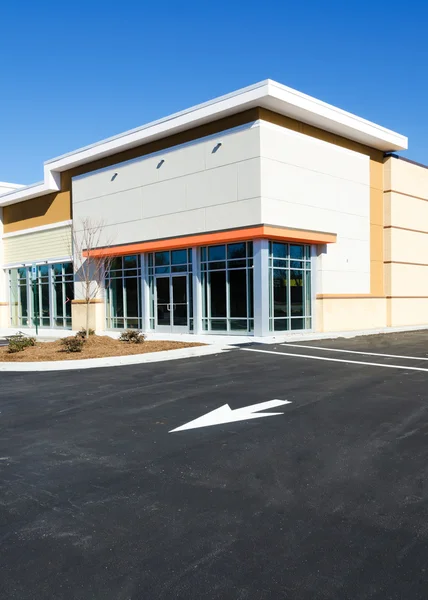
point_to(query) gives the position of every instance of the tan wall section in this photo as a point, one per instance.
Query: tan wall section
(406, 178)
(40, 245)
(404, 246)
(406, 242)
(350, 314)
(408, 280)
(407, 311)
(97, 318)
(46, 210)
(4, 315)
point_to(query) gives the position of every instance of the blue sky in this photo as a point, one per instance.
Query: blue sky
(73, 73)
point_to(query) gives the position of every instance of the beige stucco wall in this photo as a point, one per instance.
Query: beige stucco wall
(407, 311)
(4, 315)
(349, 314)
(406, 242)
(96, 315)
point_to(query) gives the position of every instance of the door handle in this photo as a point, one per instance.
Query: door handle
(168, 307)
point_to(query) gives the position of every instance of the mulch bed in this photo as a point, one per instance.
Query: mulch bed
(95, 347)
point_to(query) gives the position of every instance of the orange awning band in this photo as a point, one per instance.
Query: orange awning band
(218, 237)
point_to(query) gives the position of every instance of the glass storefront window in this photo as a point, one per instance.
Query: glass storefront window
(171, 292)
(290, 285)
(49, 297)
(123, 293)
(227, 288)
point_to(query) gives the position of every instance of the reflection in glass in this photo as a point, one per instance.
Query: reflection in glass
(290, 295)
(217, 252)
(227, 282)
(238, 293)
(218, 293)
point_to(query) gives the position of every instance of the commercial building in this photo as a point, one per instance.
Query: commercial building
(260, 212)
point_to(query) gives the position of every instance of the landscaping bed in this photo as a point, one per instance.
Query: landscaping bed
(94, 347)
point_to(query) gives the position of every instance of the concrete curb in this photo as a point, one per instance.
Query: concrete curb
(114, 361)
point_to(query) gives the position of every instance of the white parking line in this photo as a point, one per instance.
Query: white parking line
(355, 352)
(340, 360)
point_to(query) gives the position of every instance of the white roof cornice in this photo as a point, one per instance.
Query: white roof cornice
(266, 94)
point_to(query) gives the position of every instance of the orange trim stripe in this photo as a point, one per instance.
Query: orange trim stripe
(218, 237)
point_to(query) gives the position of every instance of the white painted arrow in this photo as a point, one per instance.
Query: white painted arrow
(225, 414)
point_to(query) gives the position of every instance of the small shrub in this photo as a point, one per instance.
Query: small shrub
(82, 333)
(18, 342)
(132, 336)
(73, 344)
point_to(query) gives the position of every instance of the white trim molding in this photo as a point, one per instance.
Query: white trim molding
(38, 229)
(46, 261)
(266, 94)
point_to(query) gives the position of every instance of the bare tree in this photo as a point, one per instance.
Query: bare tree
(90, 272)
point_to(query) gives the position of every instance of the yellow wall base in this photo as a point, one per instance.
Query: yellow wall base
(407, 311)
(350, 314)
(4, 315)
(96, 315)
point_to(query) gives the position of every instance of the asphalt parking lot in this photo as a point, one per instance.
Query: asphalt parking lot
(101, 499)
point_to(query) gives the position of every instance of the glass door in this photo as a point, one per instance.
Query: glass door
(163, 304)
(180, 321)
(172, 313)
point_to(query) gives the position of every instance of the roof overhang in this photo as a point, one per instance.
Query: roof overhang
(266, 94)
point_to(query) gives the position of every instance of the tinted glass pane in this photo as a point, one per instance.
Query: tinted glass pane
(132, 323)
(162, 289)
(69, 295)
(131, 286)
(296, 264)
(238, 325)
(280, 300)
(44, 271)
(250, 293)
(161, 258)
(160, 270)
(57, 269)
(281, 263)
(179, 257)
(116, 263)
(22, 272)
(23, 300)
(116, 298)
(216, 252)
(250, 248)
(129, 262)
(164, 314)
(236, 251)
(238, 293)
(45, 304)
(179, 268)
(218, 293)
(180, 315)
(280, 324)
(308, 293)
(296, 292)
(297, 323)
(214, 266)
(179, 290)
(279, 250)
(68, 268)
(58, 300)
(203, 254)
(236, 264)
(296, 251)
(218, 325)
(204, 294)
